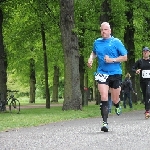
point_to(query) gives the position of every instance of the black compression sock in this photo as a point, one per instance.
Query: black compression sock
(117, 105)
(104, 110)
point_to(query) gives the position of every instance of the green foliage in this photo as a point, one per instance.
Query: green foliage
(22, 39)
(22, 35)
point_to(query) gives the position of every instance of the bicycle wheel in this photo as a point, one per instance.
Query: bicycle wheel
(14, 106)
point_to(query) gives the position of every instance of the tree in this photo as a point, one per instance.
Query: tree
(55, 84)
(22, 32)
(72, 92)
(32, 81)
(29, 37)
(45, 67)
(106, 14)
(3, 65)
(129, 39)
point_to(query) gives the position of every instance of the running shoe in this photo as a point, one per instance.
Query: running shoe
(104, 127)
(118, 110)
(147, 114)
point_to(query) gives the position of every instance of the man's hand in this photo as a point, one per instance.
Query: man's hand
(107, 59)
(90, 62)
(138, 71)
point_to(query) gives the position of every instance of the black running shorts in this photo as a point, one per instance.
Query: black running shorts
(113, 81)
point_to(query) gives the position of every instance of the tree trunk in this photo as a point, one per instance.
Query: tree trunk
(3, 66)
(45, 68)
(106, 13)
(32, 81)
(129, 42)
(72, 92)
(86, 90)
(81, 62)
(55, 84)
(94, 89)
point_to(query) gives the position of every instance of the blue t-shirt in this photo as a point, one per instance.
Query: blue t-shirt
(112, 47)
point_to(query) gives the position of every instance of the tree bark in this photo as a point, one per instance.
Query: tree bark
(81, 70)
(81, 62)
(32, 81)
(47, 92)
(3, 66)
(55, 84)
(129, 42)
(86, 90)
(72, 92)
(106, 13)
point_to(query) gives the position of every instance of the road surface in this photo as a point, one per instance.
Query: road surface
(130, 131)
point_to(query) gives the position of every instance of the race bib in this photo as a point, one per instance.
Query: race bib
(101, 77)
(145, 73)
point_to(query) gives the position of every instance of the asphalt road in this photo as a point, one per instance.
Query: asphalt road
(130, 131)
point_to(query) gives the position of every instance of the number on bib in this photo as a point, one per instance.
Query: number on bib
(146, 73)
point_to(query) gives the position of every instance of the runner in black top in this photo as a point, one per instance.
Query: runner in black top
(142, 67)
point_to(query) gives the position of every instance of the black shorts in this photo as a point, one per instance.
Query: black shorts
(113, 81)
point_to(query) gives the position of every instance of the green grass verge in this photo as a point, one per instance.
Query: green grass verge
(40, 116)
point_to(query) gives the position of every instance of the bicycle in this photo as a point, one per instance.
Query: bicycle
(12, 102)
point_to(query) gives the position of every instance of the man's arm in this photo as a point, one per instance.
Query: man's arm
(90, 60)
(113, 60)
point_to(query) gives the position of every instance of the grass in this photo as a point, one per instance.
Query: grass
(40, 116)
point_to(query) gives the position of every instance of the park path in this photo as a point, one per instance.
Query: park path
(36, 106)
(130, 131)
(26, 106)
(39, 105)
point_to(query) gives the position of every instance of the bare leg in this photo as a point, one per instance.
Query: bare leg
(115, 93)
